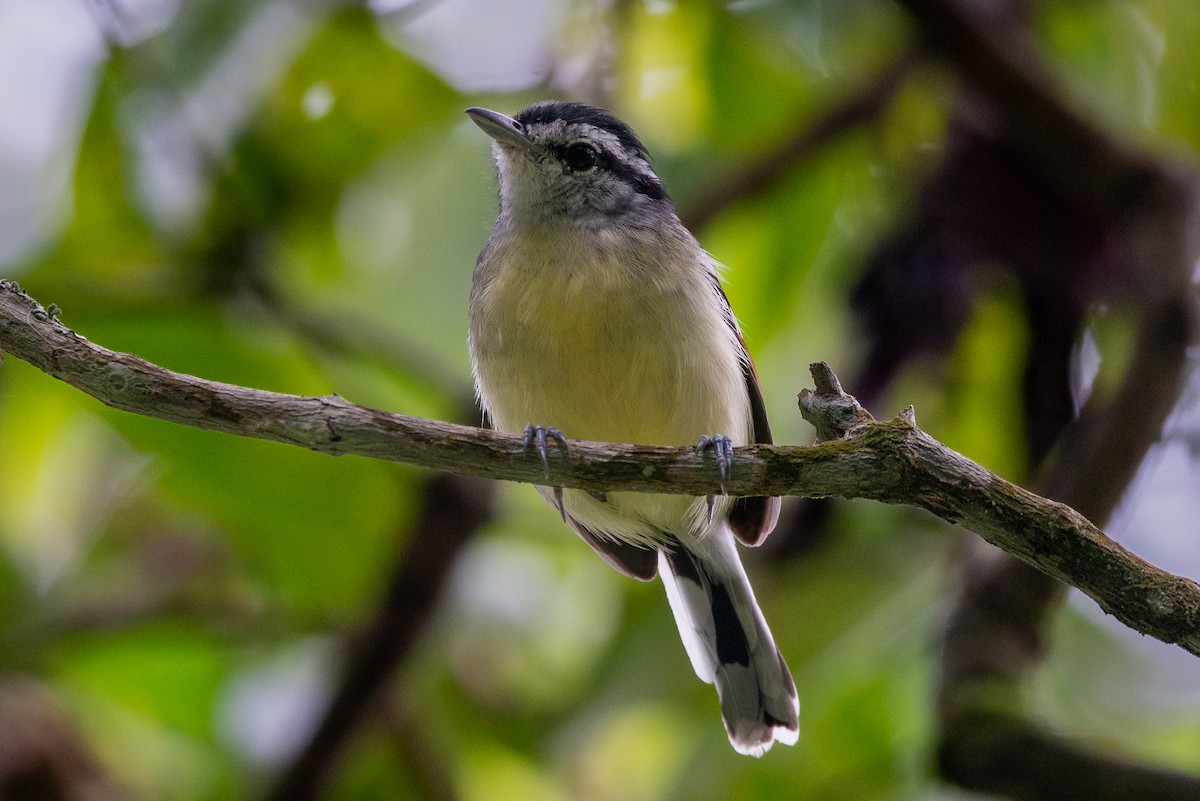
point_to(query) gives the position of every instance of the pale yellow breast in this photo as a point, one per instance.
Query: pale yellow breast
(603, 349)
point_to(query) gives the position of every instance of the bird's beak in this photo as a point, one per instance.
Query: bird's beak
(504, 130)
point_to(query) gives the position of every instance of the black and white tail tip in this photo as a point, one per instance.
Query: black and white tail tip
(729, 643)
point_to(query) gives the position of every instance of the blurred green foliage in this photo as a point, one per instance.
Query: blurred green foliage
(146, 570)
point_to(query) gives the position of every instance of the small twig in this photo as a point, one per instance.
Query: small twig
(832, 412)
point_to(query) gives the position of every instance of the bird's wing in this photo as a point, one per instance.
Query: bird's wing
(751, 518)
(632, 560)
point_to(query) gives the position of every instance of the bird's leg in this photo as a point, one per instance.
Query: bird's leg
(536, 437)
(722, 448)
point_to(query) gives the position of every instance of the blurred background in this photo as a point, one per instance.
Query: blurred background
(286, 195)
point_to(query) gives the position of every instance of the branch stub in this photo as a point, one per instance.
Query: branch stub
(829, 409)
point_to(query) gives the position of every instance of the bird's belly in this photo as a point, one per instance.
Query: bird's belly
(603, 355)
(614, 369)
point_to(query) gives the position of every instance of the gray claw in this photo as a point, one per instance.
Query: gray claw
(537, 437)
(558, 501)
(722, 448)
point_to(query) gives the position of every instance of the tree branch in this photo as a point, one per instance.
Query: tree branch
(889, 461)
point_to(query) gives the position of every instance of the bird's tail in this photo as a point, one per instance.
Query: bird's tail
(729, 643)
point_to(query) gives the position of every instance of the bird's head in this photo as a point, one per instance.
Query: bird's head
(570, 161)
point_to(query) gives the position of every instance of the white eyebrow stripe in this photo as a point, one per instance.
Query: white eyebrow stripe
(578, 131)
(609, 142)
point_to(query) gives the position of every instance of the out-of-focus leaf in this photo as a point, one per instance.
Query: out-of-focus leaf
(635, 754)
(772, 255)
(168, 673)
(108, 241)
(347, 99)
(984, 419)
(498, 773)
(664, 73)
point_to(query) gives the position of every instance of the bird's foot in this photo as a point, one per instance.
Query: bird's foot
(537, 438)
(722, 448)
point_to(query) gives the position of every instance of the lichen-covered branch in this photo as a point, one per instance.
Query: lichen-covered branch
(891, 461)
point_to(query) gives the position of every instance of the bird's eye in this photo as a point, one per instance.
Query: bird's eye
(580, 157)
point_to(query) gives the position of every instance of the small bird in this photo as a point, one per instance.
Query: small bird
(595, 312)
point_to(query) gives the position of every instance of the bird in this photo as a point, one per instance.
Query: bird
(595, 313)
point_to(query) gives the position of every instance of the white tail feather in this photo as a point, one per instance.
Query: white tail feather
(729, 643)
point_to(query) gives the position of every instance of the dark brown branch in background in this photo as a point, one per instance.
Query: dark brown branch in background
(43, 755)
(1000, 61)
(995, 633)
(777, 166)
(1021, 762)
(428, 763)
(453, 509)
